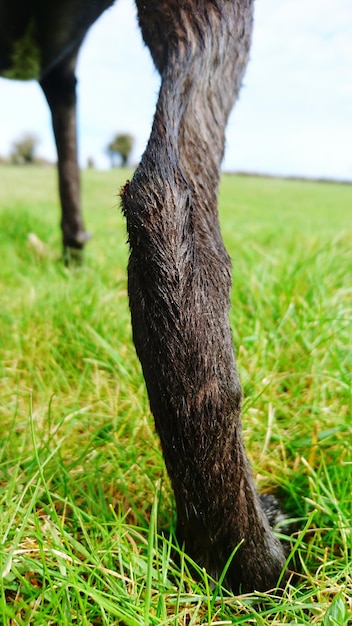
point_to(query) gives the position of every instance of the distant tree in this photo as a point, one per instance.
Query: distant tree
(121, 147)
(23, 150)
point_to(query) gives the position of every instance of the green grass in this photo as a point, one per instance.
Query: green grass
(86, 510)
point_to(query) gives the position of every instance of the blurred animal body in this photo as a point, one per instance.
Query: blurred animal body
(179, 271)
(41, 40)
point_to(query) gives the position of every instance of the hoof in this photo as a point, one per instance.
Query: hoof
(73, 248)
(276, 516)
(77, 241)
(83, 237)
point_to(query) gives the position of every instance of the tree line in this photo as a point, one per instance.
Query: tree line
(24, 150)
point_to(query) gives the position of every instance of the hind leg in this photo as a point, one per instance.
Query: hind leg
(59, 87)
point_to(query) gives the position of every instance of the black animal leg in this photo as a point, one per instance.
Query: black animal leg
(179, 282)
(59, 87)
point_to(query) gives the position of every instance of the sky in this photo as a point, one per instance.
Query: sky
(293, 117)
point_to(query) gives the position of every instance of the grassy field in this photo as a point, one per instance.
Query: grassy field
(86, 510)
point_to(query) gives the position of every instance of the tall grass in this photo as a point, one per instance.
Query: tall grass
(87, 514)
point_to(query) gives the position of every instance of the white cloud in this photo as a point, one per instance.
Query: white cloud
(296, 106)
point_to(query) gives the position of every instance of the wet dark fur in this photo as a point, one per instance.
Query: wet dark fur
(179, 282)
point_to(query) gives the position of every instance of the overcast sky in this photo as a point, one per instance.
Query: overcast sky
(294, 116)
